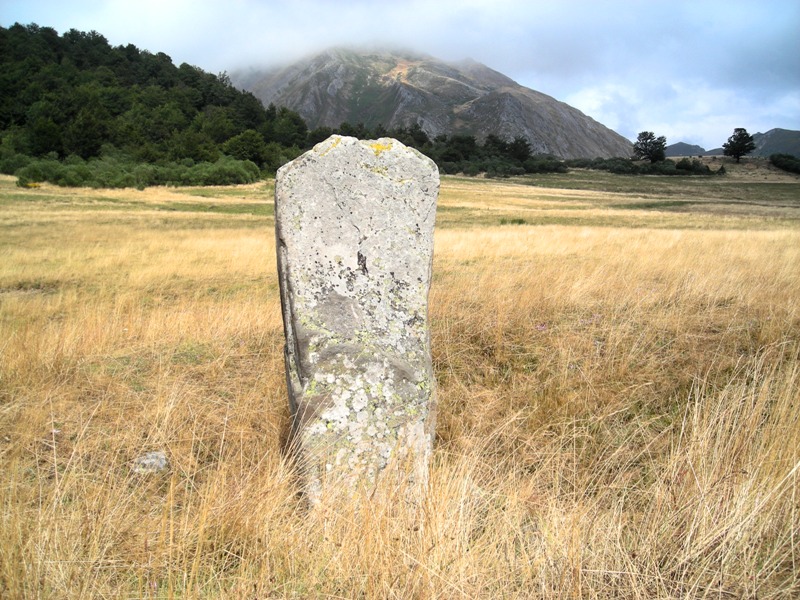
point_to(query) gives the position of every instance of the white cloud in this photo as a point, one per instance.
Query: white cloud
(691, 111)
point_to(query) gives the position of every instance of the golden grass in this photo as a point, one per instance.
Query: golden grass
(619, 405)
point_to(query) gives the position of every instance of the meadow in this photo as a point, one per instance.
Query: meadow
(618, 369)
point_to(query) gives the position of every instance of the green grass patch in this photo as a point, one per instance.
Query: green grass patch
(262, 209)
(244, 193)
(696, 187)
(658, 205)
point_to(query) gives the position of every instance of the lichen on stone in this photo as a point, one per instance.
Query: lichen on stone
(379, 147)
(354, 222)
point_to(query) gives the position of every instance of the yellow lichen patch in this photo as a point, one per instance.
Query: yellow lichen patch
(336, 141)
(379, 148)
(377, 169)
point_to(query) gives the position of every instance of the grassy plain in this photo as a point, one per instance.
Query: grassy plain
(618, 362)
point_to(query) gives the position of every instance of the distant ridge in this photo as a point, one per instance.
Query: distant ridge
(774, 141)
(683, 149)
(400, 89)
(777, 141)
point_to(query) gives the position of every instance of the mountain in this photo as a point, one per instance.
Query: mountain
(683, 149)
(400, 89)
(777, 141)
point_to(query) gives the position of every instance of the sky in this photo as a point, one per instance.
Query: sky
(690, 70)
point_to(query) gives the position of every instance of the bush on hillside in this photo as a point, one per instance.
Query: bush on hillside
(786, 162)
(111, 172)
(626, 166)
(544, 164)
(692, 166)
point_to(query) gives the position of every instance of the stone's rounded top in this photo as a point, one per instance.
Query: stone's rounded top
(383, 151)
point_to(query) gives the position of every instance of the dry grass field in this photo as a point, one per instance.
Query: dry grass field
(618, 362)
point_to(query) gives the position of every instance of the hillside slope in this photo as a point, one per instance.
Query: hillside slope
(777, 141)
(683, 149)
(399, 89)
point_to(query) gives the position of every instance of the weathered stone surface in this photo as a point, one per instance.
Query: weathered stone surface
(354, 227)
(151, 462)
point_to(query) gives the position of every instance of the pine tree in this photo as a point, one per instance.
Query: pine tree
(650, 147)
(739, 144)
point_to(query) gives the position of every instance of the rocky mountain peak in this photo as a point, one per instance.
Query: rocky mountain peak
(399, 88)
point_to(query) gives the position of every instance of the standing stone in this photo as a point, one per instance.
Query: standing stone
(354, 230)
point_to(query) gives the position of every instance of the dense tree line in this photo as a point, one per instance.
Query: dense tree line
(72, 101)
(625, 166)
(458, 153)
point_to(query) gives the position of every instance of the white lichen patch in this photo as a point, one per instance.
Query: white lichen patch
(368, 406)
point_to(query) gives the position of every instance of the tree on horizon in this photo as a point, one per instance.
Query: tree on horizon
(739, 144)
(650, 147)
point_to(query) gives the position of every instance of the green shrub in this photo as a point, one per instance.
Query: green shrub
(620, 166)
(449, 168)
(13, 163)
(471, 169)
(544, 164)
(626, 166)
(664, 167)
(39, 171)
(77, 174)
(248, 145)
(786, 162)
(692, 166)
(225, 171)
(111, 172)
(144, 175)
(579, 163)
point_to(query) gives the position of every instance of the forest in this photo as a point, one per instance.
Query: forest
(77, 111)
